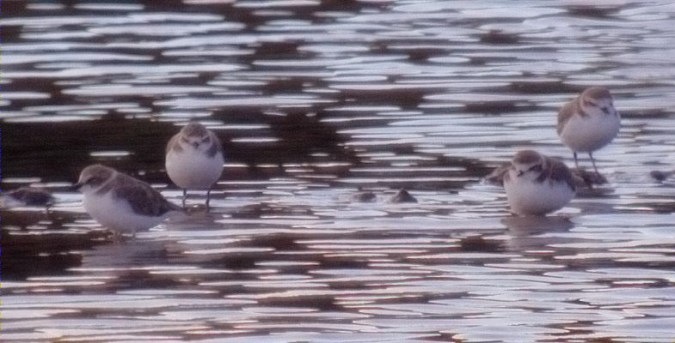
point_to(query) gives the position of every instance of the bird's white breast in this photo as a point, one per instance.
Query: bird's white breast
(191, 169)
(529, 197)
(591, 132)
(116, 214)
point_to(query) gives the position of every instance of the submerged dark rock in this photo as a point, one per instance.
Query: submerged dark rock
(402, 197)
(659, 175)
(364, 196)
(27, 196)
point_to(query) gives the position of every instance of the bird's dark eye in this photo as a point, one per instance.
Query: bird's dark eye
(93, 181)
(536, 168)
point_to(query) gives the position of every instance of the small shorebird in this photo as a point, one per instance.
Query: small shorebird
(589, 122)
(536, 184)
(194, 159)
(120, 202)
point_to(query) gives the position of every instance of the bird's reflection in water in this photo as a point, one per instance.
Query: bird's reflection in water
(535, 232)
(135, 251)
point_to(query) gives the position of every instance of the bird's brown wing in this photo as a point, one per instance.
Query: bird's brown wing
(558, 171)
(142, 198)
(566, 112)
(216, 147)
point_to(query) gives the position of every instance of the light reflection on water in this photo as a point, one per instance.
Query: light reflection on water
(317, 102)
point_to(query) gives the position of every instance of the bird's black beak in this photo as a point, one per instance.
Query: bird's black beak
(76, 187)
(520, 173)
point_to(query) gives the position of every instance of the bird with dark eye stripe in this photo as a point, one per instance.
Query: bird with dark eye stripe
(589, 122)
(194, 159)
(120, 202)
(536, 168)
(536, 184)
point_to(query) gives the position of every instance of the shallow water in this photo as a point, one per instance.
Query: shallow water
(314, 100)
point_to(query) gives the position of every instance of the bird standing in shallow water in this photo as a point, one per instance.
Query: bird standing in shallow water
(536, 184)
(120, 202)
(194, 159)
(589, 122)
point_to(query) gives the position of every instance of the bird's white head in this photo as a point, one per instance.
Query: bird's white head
(527, 163)
(195, 136)
(597, 101)
(93, 177)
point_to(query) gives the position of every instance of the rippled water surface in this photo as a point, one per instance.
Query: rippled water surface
(317, 101)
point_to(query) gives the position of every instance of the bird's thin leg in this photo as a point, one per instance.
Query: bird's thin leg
(184, 196)
(590, 154)
(576, 162)
(208, 199)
